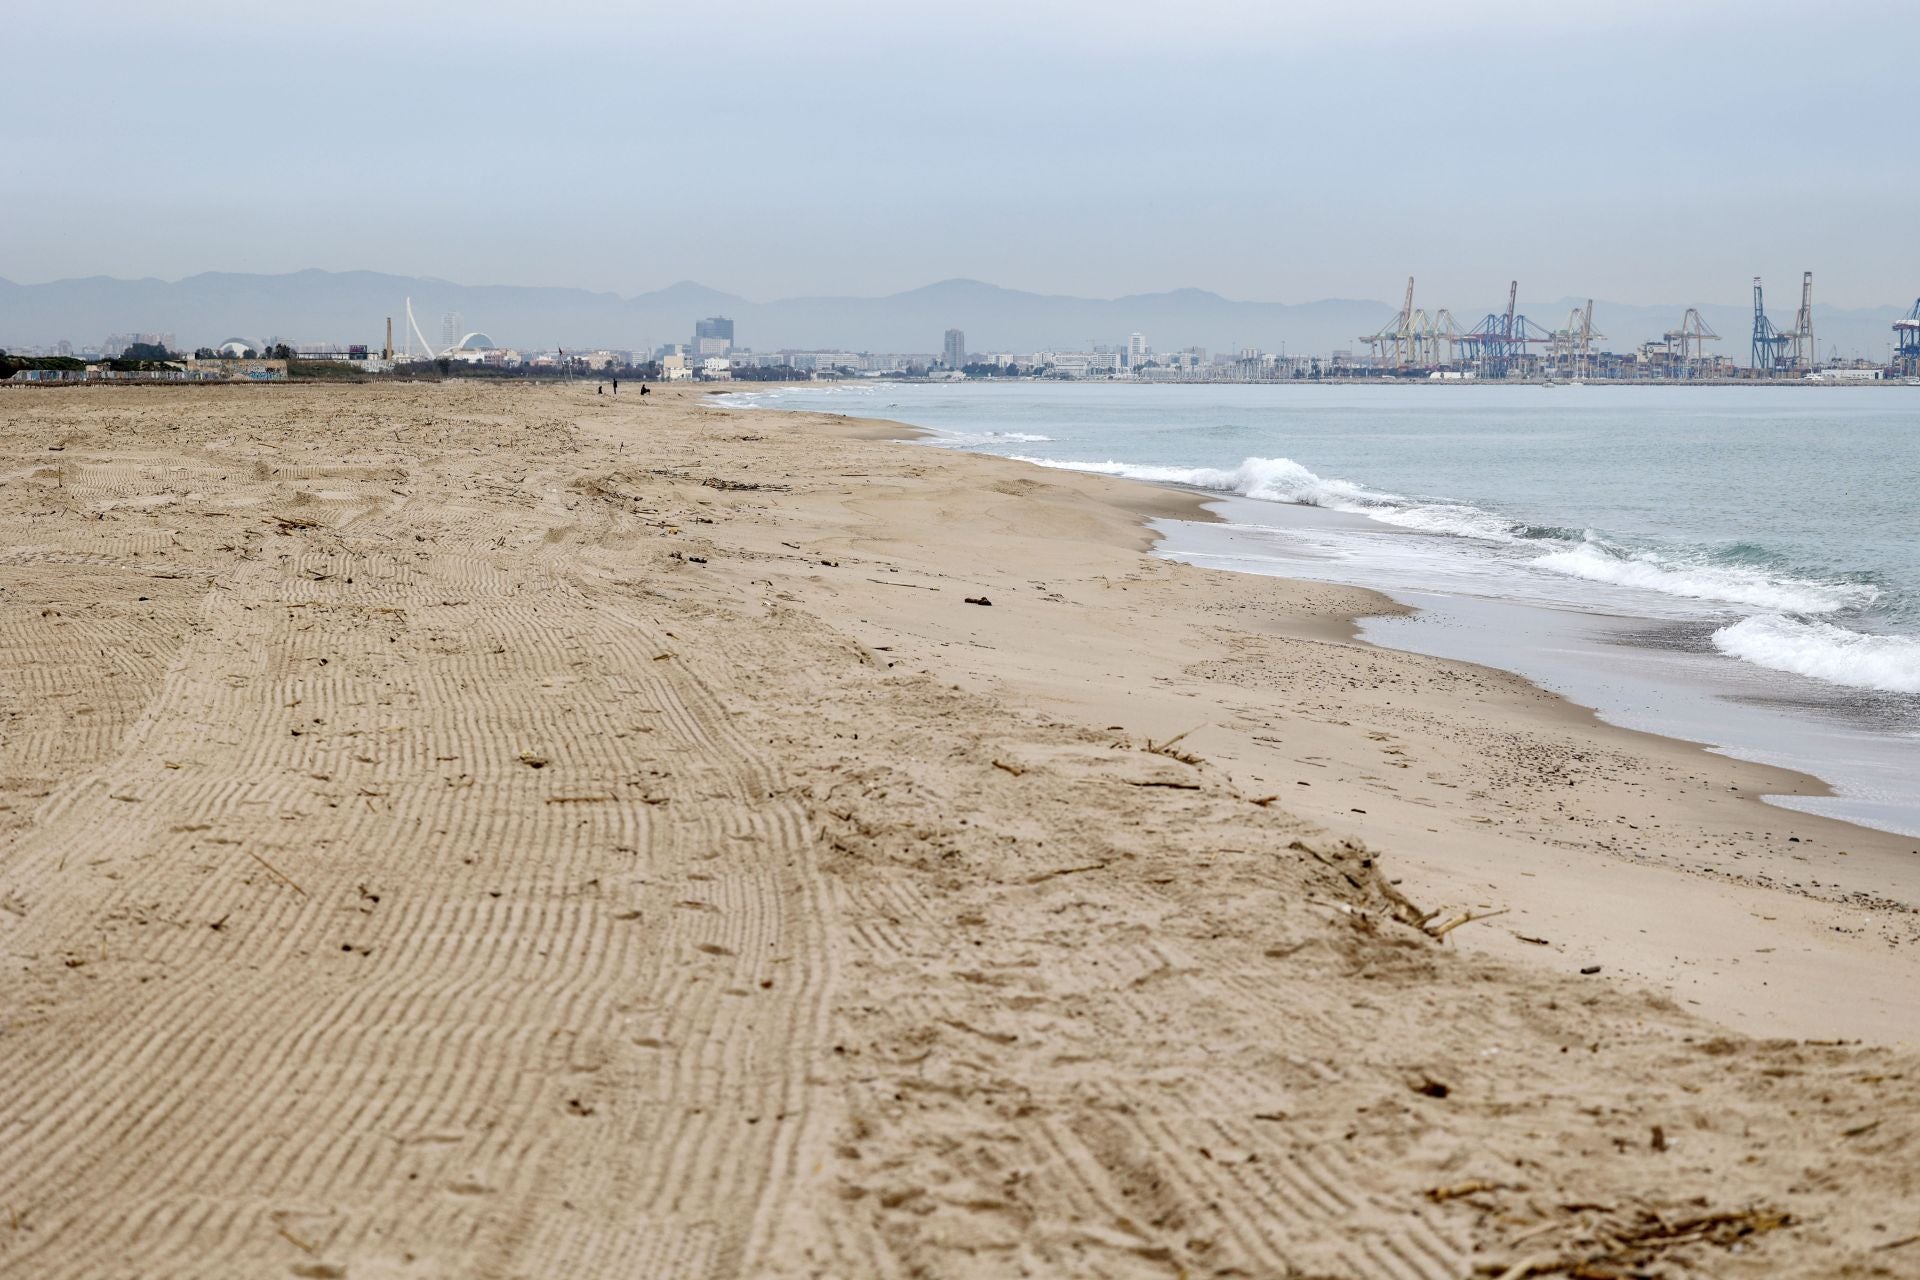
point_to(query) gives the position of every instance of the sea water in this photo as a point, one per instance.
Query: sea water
(1737, 565)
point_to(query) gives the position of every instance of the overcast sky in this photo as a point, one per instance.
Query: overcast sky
(1641, 152)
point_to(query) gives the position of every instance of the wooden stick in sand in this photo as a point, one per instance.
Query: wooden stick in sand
(278, 873)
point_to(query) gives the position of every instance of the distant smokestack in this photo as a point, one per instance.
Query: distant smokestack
(388, 353)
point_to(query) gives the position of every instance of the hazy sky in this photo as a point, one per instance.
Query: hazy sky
(1645, 152)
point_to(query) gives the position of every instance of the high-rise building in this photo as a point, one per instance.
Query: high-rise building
(1136, 351)
(450, 330)
(118, 342)
(713, 336)
(956, 349)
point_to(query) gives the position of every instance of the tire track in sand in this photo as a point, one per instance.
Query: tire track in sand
(466, 1026)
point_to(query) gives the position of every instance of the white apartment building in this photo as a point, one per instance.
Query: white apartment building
(1081, 364)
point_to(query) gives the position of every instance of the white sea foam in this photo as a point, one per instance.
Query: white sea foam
(1284, 480)
(751, 399)
(1825, 652)
(1268, 479)
(971, 440)
(1729, 584)
(1457, 518)
(1810, 648)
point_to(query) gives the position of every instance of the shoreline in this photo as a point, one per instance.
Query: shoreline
(734, 388)
(1768, 899)
(1381, 603)
(1675, 684)
(1848, 733)
(455, 831)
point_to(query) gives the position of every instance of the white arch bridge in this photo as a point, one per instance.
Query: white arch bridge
(475, 341)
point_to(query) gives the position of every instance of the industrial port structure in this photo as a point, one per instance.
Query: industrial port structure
(1506, 344)
(1501, 345)
(1906, 343)
(1777, 351)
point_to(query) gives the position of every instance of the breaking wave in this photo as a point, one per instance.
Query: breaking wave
(1574, 553)
(1824, 652)
(1728, 580)
(1702, 580)
(1284, 480)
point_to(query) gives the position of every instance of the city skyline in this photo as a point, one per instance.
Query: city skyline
(348, 307)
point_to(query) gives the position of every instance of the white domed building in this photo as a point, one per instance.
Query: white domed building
(475, 348)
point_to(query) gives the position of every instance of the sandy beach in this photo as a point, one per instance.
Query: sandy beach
(506, 831)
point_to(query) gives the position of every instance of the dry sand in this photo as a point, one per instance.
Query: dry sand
(462, 831)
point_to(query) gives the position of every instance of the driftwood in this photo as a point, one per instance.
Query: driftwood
(1166, 748)
(1400, 908)
(1619, 1248)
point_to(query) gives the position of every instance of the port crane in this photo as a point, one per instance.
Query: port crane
(1499, 342)
(1573, 346)
(1397, 343)
(1906, 342)
(1805, 355)
(1685, 349)
(1768, 342)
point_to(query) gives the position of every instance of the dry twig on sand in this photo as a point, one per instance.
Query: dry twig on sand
(1627, 1248)
(1369, 882)
(280, 875)
(1166, 748)
(1465, 917)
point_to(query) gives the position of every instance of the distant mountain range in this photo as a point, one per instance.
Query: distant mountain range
(312, 307)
